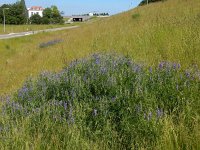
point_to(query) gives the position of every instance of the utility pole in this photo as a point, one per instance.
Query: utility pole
(4, 19)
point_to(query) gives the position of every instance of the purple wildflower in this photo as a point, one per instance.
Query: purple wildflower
(174, 66)
(187, 74)
(177, 87)
(145, 115)
(136, 68)
(150, 69)
(97, 59)
(65, 105)
(161, 65)
(94, 112)
(179, 66)
(84, 78)
(103, 70)
(138, 109)
(149, 116)
(159, 113)
(129, 63)
(113, 99)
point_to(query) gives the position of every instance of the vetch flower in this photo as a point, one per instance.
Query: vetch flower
(150, 69)
(95, 112)
(149, 116)
(65, 105)
(161, 65)
(159, 113)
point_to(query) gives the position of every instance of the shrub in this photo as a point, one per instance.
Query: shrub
(50, 43)
(36, 19)
(135, 16)
(144, 2)
(110, 98)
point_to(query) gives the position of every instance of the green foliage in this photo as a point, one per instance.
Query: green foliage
(135, 16)
(47, 12)
(52, 16)
(36, 19)
(163, 32)
(144, 2)
(25, 11)
(45, 20)
(106, 98)
(16, 14)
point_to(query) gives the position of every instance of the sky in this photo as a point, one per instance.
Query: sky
(75, 7)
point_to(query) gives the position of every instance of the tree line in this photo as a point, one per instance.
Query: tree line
(51, 15)
(17, 13)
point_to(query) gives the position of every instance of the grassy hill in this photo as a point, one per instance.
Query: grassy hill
(149, 34)
(160, 32)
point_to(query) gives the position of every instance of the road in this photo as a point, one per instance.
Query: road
(15, 35)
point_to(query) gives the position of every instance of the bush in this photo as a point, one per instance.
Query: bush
(135, 16)
(109, 98)
(45, 20)
(144, 2)
(36, 19)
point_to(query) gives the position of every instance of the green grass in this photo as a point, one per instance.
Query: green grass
(162, 31)
(167, 31)
(107, 102)
(26, 28)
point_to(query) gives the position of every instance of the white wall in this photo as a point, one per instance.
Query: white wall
(91, 14)
(32, 12)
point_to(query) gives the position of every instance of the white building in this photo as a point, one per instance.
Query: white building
(35, 10)
(91, 14)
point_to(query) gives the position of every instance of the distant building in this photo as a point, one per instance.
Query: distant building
(77, 18)
(35, 10)
(91, 14)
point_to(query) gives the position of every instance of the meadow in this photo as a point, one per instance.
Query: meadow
(144, 95)
(107, 102)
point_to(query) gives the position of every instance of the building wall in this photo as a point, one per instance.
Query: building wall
(91, 14)
(32, 12)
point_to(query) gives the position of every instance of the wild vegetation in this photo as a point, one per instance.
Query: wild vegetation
(50, 16)
(166, 31)
(15, 13)
(112, 103)
(106, 101)
(146, 2)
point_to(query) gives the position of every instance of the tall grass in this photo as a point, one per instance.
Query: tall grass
(105, 102)
(166, 31)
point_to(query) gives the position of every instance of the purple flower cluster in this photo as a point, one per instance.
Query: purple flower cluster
(106, 89)
(149, 115)
(50, 43)
(168, 66)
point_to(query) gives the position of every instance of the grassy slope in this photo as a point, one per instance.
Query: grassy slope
(149, 34)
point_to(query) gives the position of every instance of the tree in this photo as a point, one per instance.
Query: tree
(36, 19)
(25, 11)
(16, 13)
(52, 15)
(45, 20)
